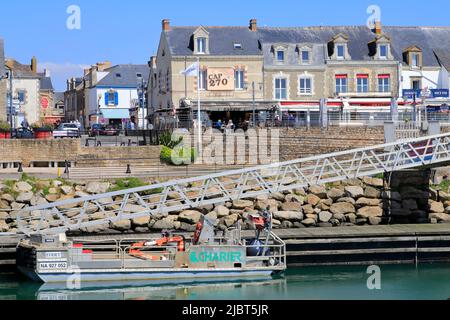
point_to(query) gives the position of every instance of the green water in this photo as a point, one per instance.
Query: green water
(341, 283)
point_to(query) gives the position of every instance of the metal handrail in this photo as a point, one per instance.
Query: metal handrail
(232, 185)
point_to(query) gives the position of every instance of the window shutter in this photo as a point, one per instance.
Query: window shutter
(106, 99)
(116, 98)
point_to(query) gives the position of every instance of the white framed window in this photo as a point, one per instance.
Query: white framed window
(341, 83)
(362, 83)
(280, 88)
(305, 85)
(203, 80)
(280, 56)
(305, 56)
(239, 79)
(201, 45)
(415, 59)
(384, 50)
(384, 83)
(340, 48)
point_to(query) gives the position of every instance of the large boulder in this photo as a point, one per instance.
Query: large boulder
(364, 202)
(23, 186)
(367, 212)
(436, 207)
(190, 216)
(97, 187)
(3, 226)
(440, 216)
(291, 206)
(25, 197)
(372, 193)
(38, 200)
(288, 215)
(231, 220)
(277, 196)
(133, 208)
(374, 182)
(121, 225)
(318, 191)
(66, 190)
(141, 222)
(410, 204)
(7, 197)
(242, 204)
(309, 222)
(4, 205)
(312, 199)
(325, 216)
(222, 211)
(295, 198)
(164, 224)
(335, 194)
(354, 192)
(342, 208)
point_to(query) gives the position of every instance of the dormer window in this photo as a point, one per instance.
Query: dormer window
(280, 56)
(384, 51)
(201, 41)
(340, 48)
(305, 56)
(201, 45)
(415, 59)
(237, 46)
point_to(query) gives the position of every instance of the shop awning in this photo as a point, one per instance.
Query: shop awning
(115, 113)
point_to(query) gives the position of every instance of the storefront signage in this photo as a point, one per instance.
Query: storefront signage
(409, 93)
(220, 79)
(439, 93)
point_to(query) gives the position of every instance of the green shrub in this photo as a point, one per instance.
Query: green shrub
(167, 156)
(166, 140)
(4, 126)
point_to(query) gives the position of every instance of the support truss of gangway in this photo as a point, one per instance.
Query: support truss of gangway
(174, 196)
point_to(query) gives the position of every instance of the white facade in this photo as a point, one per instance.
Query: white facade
(30, 107)
(430, 78)
(126, 100)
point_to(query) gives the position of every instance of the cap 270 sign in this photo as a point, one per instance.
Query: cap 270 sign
(220, 79)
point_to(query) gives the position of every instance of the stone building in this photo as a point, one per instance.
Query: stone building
(355, 68)
(26, 91)
(74, 101)
(230, 63)
(3, 83)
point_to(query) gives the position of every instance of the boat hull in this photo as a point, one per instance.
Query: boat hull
(144, 275)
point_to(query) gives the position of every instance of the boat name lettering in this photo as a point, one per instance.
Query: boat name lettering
(197, 257)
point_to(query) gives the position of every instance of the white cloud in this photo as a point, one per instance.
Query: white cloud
(60, 72)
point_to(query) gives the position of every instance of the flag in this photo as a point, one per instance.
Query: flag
(192, 70)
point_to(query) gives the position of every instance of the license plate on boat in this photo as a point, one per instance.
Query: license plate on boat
(52, 265)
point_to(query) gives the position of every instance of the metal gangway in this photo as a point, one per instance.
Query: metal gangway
(177, 195)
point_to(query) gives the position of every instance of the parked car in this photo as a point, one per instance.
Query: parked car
(67, 130)
(109, 131)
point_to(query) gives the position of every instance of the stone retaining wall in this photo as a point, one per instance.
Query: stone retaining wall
(71, 149)
(370, 201)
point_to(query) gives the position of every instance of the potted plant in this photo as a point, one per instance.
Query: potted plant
(5, 130)
(42, 131)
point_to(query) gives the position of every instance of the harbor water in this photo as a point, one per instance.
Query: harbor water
(428, 282)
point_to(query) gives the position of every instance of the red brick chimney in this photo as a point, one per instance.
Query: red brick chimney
(253, 25)
(166, 25)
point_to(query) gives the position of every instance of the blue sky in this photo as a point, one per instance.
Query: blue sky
(128, 31)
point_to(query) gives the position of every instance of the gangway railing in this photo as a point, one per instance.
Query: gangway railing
(177, 195)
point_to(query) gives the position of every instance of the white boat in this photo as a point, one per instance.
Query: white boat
(54, 259)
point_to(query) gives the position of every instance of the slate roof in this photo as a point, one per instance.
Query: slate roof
(222, 40)
(46, 83)
(2, 58)
(58, 96)
(128, 75)
(432, 40)
(23, 71)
